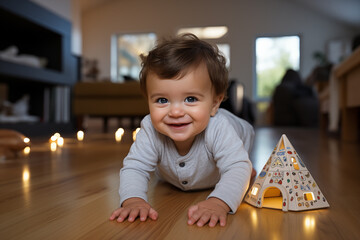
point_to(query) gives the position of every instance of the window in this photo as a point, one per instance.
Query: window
(224, 48)
(254, 191)
(273, 56)
(295, 164)
(126, 50)
(309, 196)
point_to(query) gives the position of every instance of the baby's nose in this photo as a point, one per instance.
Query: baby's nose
(176, 110)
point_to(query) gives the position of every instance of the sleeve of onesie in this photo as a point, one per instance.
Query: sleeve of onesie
(140, 161)
(233, 163)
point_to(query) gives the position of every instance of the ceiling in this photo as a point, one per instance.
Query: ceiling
(345, 11)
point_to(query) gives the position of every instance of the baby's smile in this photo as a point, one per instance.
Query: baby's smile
(178, 125)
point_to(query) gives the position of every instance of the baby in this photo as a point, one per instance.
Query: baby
(187, 140)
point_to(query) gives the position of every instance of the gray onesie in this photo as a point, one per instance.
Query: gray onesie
(218, 158)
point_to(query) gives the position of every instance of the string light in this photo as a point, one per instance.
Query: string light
(118, 134)
(56, 140)
(26, 150)
(60, 141)
(80, 135)
(53, 146)
(135, 133)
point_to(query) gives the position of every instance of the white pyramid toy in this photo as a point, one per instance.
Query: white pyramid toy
(285, 183)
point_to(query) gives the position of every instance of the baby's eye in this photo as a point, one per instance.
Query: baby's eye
(162, 100)
(190, 99)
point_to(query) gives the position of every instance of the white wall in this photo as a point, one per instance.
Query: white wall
(69, 10)
(246, 19)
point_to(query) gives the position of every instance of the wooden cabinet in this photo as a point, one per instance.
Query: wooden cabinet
(348, 73)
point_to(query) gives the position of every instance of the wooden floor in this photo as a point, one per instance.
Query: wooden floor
(70, 193)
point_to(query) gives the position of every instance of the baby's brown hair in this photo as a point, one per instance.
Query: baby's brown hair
(173, 57)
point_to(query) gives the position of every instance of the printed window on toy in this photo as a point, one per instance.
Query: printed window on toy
(254, 191)
(309, 196)
(272, 198)
(295, 164)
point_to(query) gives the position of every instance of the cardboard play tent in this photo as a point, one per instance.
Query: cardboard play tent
(285, 183)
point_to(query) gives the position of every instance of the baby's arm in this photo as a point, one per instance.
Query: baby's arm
(212, 210)
(132, 208)
(234, 167)
(135, 175)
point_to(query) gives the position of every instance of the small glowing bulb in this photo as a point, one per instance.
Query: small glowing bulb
(118, 134)
(135, 133)
(53, 138)
(26, 140)
(26, 150)
(53, 146)
(121, 131)
(80, 135)
(60, 141)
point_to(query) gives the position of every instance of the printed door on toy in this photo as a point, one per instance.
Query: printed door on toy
(273, 197)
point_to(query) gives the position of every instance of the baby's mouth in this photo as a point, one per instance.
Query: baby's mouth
(178, 125)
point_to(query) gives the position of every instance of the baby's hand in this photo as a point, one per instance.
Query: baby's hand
(132, 208)
(212, 210)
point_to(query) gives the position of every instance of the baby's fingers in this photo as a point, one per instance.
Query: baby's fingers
(192, 209)
(205, 217)
(133, 215)
(153, 214)
(123, 214)
(213, 221)
(115, 214)
(193, 214)
(222, 221)
(143, 214)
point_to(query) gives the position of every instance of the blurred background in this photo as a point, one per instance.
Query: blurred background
(71, 64)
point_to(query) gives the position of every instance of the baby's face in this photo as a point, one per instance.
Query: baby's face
(181, 108)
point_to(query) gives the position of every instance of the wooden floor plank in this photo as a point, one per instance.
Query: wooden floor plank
(70, 193)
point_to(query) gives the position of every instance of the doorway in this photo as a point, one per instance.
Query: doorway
(272, 198)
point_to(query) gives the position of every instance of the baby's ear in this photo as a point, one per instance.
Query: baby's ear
(216, 104)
